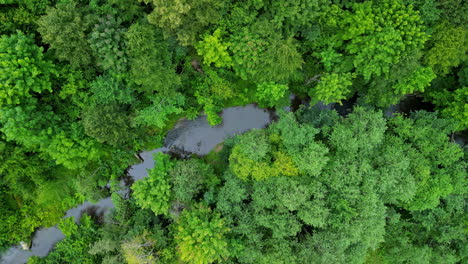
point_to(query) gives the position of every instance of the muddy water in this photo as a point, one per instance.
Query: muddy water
(188, 136)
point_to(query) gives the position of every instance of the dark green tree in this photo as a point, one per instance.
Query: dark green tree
(108, 43)
(108, 123)
(150, 60)
(65, 28)
(429, 236)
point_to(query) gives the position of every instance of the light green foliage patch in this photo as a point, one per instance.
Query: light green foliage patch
(154, 192)
(332, 87)
(270, 93)
(157, 114)
(214, 51)
(448, 48)
(200, 236)
(186, 19)
(380, 33)
(23, 69)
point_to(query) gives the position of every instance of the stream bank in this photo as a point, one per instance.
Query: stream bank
(186, 138)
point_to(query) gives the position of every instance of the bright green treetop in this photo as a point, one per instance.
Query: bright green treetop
(23, 69)
(154, 192)
(200, 235)
(213, 50)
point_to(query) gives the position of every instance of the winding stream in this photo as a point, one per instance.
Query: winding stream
(188, 136)
(195, 136)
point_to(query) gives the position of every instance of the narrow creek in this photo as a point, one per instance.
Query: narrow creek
(198, 137)
(188, 136)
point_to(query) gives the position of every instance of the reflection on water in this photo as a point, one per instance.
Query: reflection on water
(196, 136)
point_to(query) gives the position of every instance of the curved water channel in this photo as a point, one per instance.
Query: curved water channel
(197, 137)
(188, 136)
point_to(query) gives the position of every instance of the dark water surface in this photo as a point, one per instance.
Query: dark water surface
(188, 136)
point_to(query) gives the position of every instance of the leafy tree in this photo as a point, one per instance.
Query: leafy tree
(107, 89)
(25, 71)
(312, 187)
(37, 5)
(213, 50)
(453, 11)
(139, 249)
(161, 109)
(370, 25)
(258, 48)
(435, 161)
(214, 89)
(37, 127)
(24, 175)
(281, 61)
(200, 235)
(269, 93)
(448, 94)
(447, 48)
(108, 124)
(130, 233)
(249, 159)
(73, 90)
(430, 236)
(21, 15)
(154, 192)
(16, 174)
(332, 87)
(456, 107)
(173, 184)
(288, 151)
(428, 9)
(416, 82)
(126, 10)
(308, 156)
(372, 40)
(186, 19)
(148, 54)
(189, 178)
(408, 76)
(10, 221)
(295, 14)
(107, 42)
(65, 28)
(348, 172)
(68, 226)
(265, 217)
(246, 47)
(260, 56)
(89, 184)
(38, 191)
(72, 148)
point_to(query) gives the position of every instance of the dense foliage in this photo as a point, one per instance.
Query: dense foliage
(313, 187)
(85, 84)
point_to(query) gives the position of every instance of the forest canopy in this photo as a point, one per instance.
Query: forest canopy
(348, 176)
